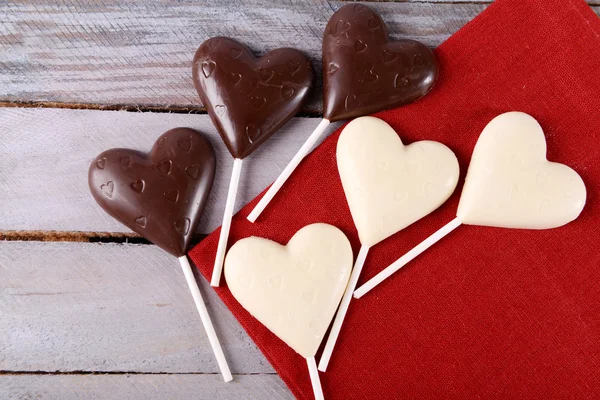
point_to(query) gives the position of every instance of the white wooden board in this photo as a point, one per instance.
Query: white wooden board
(131, 52)
(141, 387)
(45, 155)
(139, 53)
(109, 307)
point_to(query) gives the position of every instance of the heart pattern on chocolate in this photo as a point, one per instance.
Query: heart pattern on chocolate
(389, 185)
(159, 195)
(364, 72)
(249, 98)
(511, 184)
(293, 290)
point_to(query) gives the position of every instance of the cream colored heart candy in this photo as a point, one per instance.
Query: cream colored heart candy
(388, 186)
(295, 289)
(509, 184)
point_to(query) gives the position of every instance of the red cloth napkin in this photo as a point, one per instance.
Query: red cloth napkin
(486, 312)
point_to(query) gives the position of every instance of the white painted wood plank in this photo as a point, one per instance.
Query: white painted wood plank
(45, 155)
(131, 52)
(109, 307)
(141, 387)
(140, 53)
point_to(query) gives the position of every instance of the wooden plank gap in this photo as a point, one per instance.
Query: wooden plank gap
(169, 109)
(77, 236)
(107, 107)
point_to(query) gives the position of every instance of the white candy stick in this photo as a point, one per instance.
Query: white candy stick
(233, 187)
(288, 170)
(343, 309)
(208, 326)
(314, 378)
(408, 257)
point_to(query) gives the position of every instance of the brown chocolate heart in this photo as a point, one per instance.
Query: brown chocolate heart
(159, 195)
(249, 98)
(364, 72)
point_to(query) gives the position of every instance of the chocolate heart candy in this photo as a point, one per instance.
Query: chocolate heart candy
(159, 195)
(364, 72)
(249, 98)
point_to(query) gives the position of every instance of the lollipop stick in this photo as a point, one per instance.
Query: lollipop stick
(287, 171)
(208, 326)
(408, 257)
(233, 187)
(314, 378)
(343, 309)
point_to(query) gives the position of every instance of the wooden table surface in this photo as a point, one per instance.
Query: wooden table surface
(88, 309)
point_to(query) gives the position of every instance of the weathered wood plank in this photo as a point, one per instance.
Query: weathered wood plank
(141, 387)
(109, 307)
(45, 155)
(127, 52)
(132, 53)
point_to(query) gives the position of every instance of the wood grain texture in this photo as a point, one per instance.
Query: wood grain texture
(141, 387)
(45, 155)
(109, 307)
(130, 52)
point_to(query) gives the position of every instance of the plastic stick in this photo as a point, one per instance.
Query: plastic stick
(288, 170)
(208, 326)
(314, 378)
(233, 187)
(408, 257)
(343, 309)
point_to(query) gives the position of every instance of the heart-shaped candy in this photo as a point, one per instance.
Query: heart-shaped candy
(511, 184)
(364, 72)
(249, 98)
(293, 290)
(159, 195)
(388, 185)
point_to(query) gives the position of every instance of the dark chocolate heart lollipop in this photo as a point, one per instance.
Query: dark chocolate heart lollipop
(364, 72)
(249, 98)
(159, 195)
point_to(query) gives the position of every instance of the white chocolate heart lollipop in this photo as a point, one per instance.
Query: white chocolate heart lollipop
(388, 186)
(510, 184)
(293, 290)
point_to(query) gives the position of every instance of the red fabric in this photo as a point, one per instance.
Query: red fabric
(486, 312)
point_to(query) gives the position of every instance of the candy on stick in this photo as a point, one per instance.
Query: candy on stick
(248, 99)
(161, 196)
(295, 289)
(509, 184)
(363, 73)
(388, 186)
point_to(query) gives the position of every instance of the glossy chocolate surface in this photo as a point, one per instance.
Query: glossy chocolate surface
(249, 98)
(159, 195)
(364, 72)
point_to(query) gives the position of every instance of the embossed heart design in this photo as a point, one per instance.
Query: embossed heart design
(249, 98)
(159, 195)
(511, 184)
(388, 185)
(293, 290)
(364, 72)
